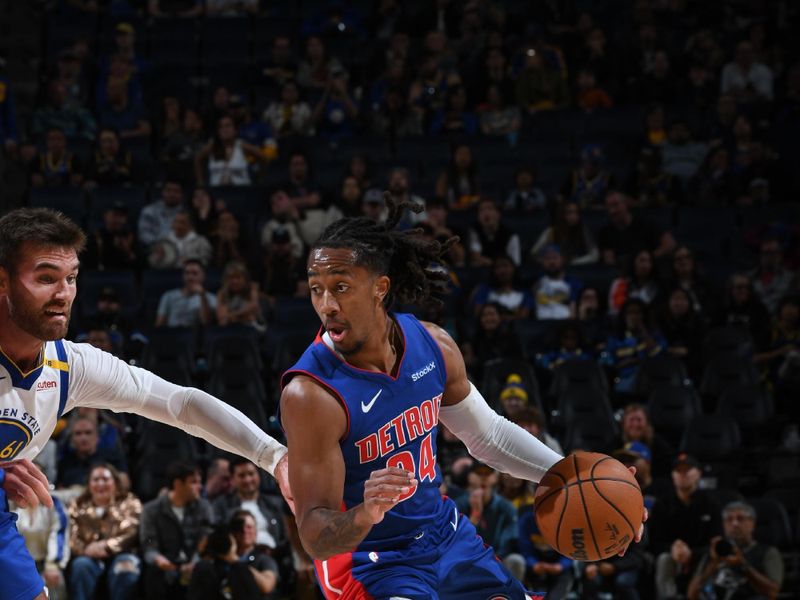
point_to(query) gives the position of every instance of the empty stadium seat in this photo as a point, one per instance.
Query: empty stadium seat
(170, 353)
(657, 371)
(68, 200)
(104, 197)
(589, 403)
(772, 523)
(750, 404)
(732, 340)
(711, 437)
(671, 409)
(233, 347)
(578, 375)
(585, 433)
(122, 282)
(724, 371)
(157, 446)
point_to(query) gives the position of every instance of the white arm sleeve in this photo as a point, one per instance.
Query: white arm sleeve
(100, 380)
(495, 440)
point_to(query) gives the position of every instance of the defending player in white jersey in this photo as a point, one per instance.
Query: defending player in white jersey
(42, 376)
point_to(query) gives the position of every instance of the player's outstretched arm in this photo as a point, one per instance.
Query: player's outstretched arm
(100, 380)
(314, 422)
(489, 437)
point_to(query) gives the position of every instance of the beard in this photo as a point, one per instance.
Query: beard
(33, 320)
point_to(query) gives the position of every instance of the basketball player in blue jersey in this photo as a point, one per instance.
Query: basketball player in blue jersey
(43, 376)
(360, 410)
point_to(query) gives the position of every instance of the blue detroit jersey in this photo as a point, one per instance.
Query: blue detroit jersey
(391, 422)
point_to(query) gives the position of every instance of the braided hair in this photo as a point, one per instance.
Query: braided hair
(412, 263)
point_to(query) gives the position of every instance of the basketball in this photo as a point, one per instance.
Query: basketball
(589, 506)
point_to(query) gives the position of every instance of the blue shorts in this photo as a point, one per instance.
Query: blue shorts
(450, 562)
(18, 574)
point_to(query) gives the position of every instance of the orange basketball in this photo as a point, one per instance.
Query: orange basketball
(589, 506)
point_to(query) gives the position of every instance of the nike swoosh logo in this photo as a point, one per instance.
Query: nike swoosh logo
(367, 407)
(455, 523)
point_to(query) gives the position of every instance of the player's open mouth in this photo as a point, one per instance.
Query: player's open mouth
(336, 333)
(55, 315)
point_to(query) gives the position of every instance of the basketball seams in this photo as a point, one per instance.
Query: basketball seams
(606, 500)
(561, 516)
(574, 483)
(583, 503)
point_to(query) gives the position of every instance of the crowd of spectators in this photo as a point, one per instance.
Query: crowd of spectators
(622, 177)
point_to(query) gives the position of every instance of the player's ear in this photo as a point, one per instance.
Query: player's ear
(3, 281)
(382, 286)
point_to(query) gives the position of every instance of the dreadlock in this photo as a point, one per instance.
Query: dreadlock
(411, 262)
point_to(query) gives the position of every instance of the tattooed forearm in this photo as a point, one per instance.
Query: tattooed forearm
(332, 532)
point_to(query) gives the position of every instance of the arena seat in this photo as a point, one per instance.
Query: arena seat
(711, 437)
(104, 197)
(578, 375)
(772, 523)
(70, 201)
(586, 433)
(170, 353)
(724, 371)
(728, 339)
(750, 405)
(495, 374)
(657, 371)
(671, 409)
(157, 446)
(123, 282)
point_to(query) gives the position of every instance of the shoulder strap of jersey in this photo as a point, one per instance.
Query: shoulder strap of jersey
(63, 371)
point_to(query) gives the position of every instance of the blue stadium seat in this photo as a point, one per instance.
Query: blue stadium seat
(590, 434)
(104, 197)
(68, 200)
(154, 284)
(123, 282)
(170, 353)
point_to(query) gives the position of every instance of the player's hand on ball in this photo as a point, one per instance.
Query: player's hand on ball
(384, 489)
(645, 516)
(25, 484)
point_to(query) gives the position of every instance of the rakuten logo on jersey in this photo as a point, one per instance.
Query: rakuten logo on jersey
(45, 385)
(423, 371)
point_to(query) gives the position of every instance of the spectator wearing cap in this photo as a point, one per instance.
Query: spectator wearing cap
(624, 234)
(56, 167)
(637, 454)
(736, 565)
(554, 293)
(493, 516)
(109, 164)
(513, 397)
(503, 290)
(681, 523)
(489, 238)
(113, 245)
(155, 221)
(589, 183)
(190, 304)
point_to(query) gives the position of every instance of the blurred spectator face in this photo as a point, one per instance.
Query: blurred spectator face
(236, 282)
(58, 93)
(483, 484)
(679, 134)
(201, 199)
(351, 190)
(437, 214)
(643, 265)
(495, 60)
(281, 49)
(435, 42)
(569, 339)
(588, 303)
(458, 100)
(281, 204)
(99, 338)
(661, 64)
(726, 108)
(56, 142)
(634, 425)
(218, 481)
(358, 167)
(193, 274)
(719, 160)
(655, 119)
(789, 314)
(745, 55)
(116, 91)
(298, 168)
(221, 98)
(246, 538)
(125, 37)
(398, 182)
(462, 158)
(315, 50)
(533, 59)
(634, 318)
(503, 270)
(399, 43)
(246, 479)
(771, 255)
(586, 80)
(172, 108)
(524, 179)
(108, 304)
(109, 143)
(289, 93)
(189, 488)
(192, 123)
(115, 220)
(683, 262)
(686, 479)
(742, 128)
(102, 486)
(572, 214)
(227, 225)
(172, 193)
(226, 129)
(679, 303)
(488, 215)
(84, 437)
(372, 208)
(552, 262)
(617, 208)
(741, 289)
(596, 41)
(181, 225)
(739, 526)
(493, 97)
(490, 318)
